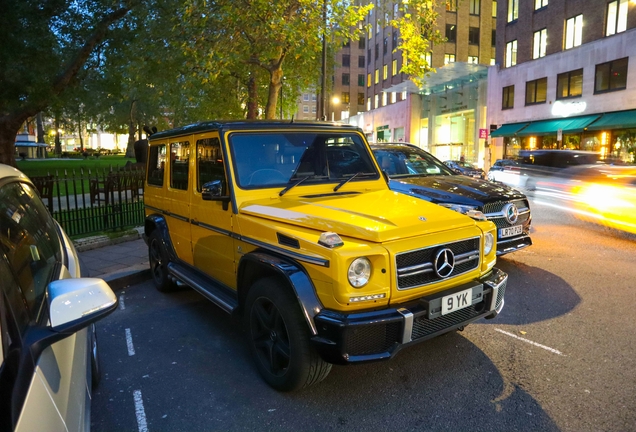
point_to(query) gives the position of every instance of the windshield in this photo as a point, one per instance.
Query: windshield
(277, 159)
(404, 161)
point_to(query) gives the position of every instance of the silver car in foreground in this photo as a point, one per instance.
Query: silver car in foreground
(48, 351)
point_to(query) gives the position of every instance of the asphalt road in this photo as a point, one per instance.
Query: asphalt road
(561, 356)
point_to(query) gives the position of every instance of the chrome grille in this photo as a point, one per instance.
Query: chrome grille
(501, 222)
(498, 206)
(415, 268)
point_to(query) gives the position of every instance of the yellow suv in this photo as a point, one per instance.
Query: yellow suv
(292, 226)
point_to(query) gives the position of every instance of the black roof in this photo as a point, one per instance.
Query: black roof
(246, 125)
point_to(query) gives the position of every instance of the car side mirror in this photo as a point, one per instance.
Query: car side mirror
(76, 303)
(213, 191)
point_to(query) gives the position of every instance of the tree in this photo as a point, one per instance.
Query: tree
(45, 46)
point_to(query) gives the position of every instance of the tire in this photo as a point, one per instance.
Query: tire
(96, 370)
(278, 337)
(158, 259)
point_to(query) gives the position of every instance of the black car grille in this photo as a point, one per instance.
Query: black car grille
(415, 268)
(498, 206)
(371, 339)
(423, 327)
(500, 221)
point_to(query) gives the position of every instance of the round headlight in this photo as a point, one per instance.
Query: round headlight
(489, 242)
(359, 272)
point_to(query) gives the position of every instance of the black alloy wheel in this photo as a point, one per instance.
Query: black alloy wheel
(158, 259)
(279, 338)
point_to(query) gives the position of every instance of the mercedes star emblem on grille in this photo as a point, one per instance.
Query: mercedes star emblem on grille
(511, 212)
(444, 262)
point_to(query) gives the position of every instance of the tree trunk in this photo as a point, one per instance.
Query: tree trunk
(40, 127)
(275, 80)
(9, 128)
(252, 96)
(130, 148)
(58, 143)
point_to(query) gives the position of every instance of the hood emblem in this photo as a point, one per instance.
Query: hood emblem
(511, 213)
(422, 218)
(444, 263)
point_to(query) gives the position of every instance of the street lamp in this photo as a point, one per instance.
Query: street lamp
(335, 100)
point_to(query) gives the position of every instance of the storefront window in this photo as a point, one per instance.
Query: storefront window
(454, 136)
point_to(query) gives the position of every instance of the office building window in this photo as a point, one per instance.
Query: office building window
(361, 81)
(360, 98)
(347, 44)
(361, 43)
(451, 32)
(369, 80)
(573, 31)
(473, 59)
(385, 72)
(536, 91)
(616, 17)
(393, 97)
(473, 35)
(394, 69)
(370, 31)
(395, 40)
(570, 84)
(538, 4)
(494, 9)
(385, 46)
(513, 10)
(306, 96)
(493, 62)
(451, 5)
(493, 40)
(345, 98)
(369, 56)
(511, 53)
(404, 93)
(305, 109)
(361, 61)
(540, 43)
(508, 100)
(376, 101)
(429, 58)
(383, 98)
(368, 104)
(313, 97)
(449, 58)
(473, 6)
(377, 51)
(377, 76)
(611, 76)
(346, 60)
(345, 79)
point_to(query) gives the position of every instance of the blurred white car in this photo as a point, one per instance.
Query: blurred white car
(48, 351)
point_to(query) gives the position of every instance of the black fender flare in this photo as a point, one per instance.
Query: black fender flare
(290, 271)
(156, 222)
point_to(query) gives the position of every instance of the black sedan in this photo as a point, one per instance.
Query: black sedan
(415, 172)
(465, 168)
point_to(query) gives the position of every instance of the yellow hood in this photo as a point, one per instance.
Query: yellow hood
(378, 216)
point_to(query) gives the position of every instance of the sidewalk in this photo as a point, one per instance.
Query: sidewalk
(120, 262)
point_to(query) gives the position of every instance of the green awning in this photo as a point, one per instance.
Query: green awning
(508, 129)
(615, 120)
(567, 125)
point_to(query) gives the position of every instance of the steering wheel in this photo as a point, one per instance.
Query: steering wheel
(267, 176)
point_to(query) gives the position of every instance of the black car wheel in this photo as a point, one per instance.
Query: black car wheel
(158, 259)
(279, 338)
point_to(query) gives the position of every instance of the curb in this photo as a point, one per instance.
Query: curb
(123, 278)
(94, 242)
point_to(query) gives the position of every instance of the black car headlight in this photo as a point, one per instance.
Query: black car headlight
(467, 210)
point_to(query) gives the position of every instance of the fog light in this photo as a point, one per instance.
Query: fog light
(359, 299)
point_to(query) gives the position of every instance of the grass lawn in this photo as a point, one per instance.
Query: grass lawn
(42, 167)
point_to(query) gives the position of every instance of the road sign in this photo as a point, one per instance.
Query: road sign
(483, 133)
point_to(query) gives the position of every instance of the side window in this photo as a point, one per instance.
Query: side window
(179, 165)
(209, 162)
(156, 164)
(29, 239)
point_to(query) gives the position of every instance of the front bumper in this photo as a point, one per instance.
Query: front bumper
(379, 335)
(505, 246)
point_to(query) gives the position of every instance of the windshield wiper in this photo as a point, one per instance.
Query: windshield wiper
(292, 185)
(347, 180)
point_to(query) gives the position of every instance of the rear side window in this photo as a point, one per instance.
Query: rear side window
(29, 238)
(179, 165)
(156, 164)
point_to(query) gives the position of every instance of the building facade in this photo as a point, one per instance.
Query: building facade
(565, 79)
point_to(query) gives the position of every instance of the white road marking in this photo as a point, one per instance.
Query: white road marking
(552, 350)
(122, 305)
(131, 348)
(140, 412)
